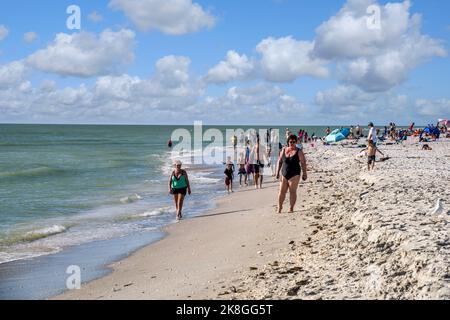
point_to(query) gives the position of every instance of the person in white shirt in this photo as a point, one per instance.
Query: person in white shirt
(372, 134)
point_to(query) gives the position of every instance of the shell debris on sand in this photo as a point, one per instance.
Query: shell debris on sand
(378, 238)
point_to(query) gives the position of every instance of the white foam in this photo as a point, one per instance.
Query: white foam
(133, 198)
(155, 212)
(205, 180)
(49, 231)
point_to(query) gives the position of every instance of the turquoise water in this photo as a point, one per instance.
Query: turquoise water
(64, 185)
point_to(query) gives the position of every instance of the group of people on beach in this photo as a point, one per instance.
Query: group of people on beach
(287, 162)
(253, 158)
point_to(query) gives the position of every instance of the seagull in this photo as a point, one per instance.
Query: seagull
(438, 209)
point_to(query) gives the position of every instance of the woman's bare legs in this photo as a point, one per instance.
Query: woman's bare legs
(284, 186)
(180, 205)
(175, 197)
(293, 186)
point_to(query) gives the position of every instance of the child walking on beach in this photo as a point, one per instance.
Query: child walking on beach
(372, 152)
(229, 177)
(242, 171)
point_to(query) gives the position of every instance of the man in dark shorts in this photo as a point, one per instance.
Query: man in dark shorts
(371, 153)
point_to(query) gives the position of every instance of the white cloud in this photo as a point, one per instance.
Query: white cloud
(376, 60)
(12, 74)
(352, 105)
(174, 17)
(30, 37)
(433, 108)
(171, 71)
(95, 17)
(262, 103)
(258, 95)
(344, 96)
(48, 85)
(3, 32)
(84, 54)
(290, 106)
(347, 35)
(118, 99)
(286, 59)
(235, 67)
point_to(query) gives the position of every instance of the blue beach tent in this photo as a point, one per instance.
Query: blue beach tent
(338, 135)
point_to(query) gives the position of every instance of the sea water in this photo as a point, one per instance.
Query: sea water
(63, 186)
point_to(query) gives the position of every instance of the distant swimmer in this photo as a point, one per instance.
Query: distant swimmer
(234, 141)
(170, 143)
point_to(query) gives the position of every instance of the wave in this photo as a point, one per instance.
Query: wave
(34, 235)
(205, 180)
(30, 173)
(147, 214)
(130, 199)
(156, 212)
(64, 143)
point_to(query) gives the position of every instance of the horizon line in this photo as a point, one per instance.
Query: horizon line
(210, 125)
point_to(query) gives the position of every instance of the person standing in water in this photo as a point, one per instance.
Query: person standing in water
(242, 171)
(170, 143)
(178, 187)
(289, 163)
(234, 141)
(229, 173)
(249, 163)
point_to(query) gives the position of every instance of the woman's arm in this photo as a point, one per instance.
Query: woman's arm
(187, 182)
(279, 163)
(303, 163)
(170, 182)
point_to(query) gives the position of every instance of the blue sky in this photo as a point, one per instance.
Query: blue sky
(289, 62)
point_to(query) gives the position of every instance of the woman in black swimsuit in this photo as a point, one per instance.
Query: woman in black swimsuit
(289, 163)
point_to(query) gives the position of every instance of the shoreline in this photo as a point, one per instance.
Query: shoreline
(355, 235)
(210, 265)
(44, 276)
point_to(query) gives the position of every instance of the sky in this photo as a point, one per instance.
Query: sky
(267, 62)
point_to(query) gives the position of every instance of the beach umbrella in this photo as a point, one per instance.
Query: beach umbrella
(444, 122)
(338, 135)
(335, 138)
(335, 132)
(345, 132)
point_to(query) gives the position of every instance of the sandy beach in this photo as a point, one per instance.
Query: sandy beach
(354, 235)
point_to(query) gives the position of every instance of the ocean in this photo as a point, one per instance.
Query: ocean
(64, 186)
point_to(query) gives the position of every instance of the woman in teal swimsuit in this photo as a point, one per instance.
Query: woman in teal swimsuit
(179, 186)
